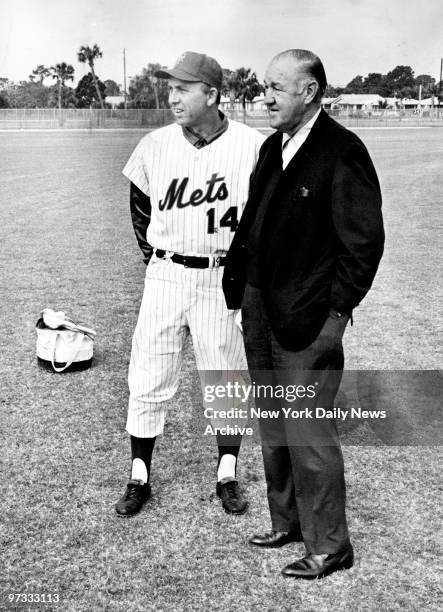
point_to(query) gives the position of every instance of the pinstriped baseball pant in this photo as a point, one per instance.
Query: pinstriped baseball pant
(177, 301)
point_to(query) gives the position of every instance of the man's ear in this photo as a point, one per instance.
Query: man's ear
(212, 96)
(311, 91)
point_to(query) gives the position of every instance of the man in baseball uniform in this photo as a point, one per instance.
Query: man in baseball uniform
(189, 185)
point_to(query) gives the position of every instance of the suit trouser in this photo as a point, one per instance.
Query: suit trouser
(302, 457)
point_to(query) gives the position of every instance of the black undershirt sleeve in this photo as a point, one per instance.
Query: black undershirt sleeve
(141, 216)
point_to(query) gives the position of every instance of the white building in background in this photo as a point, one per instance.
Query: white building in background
(430, 102)
(354, 102)
(345, 103)
(255, 105)
(115, 101)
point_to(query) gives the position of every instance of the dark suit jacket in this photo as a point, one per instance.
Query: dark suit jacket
(322, 236)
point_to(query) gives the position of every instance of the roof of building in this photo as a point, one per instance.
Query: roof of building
(358, 99)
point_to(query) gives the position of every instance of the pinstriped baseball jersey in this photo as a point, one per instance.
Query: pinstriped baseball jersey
(197, 195)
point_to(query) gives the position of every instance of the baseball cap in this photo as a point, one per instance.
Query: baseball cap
(195, 67)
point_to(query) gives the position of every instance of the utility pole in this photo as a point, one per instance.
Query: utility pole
(439, 89)
(420, 108)
(441, 72)
(439, 85)
(124, 77)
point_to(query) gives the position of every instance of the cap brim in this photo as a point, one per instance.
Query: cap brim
(176, 74)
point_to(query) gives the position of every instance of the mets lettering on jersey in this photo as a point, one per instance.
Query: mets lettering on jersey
(197, 195)
(176, 190)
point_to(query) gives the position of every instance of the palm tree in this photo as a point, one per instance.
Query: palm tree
(41, 72)
(87, 55)
(62, 72)
(146, 90)
(242, 84)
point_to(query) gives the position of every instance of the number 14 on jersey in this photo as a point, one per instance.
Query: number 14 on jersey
(229, 219)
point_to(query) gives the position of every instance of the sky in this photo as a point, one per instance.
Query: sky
(350, 36)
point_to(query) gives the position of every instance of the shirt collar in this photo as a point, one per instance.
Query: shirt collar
(303, 131)
(198, 141)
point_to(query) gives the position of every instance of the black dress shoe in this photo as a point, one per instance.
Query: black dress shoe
(232, 499)
(134, 497)
(275, 539)
(309, 569)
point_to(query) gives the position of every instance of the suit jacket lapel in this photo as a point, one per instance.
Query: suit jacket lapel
(306, 151)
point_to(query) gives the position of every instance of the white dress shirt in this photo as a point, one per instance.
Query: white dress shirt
(291, 144)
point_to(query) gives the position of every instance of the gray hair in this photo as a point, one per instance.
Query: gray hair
(312, 65)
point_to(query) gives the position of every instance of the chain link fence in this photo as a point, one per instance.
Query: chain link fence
(145, 118)
(83, 118)
(359, 118)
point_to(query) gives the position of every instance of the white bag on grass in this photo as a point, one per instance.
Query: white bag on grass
(61, 342)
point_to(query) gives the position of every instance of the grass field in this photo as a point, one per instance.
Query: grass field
(67, 243)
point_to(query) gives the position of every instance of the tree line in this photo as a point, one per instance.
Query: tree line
(34, 93)
(397, 83)
(147, 91)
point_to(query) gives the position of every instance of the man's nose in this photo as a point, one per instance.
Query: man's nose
(269, 97)
(173, 97)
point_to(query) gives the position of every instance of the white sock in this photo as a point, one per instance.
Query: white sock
(226, 469)
(139, 471)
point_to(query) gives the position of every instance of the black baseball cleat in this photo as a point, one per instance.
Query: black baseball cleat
(232, 498)
(310, 568)
(134, 497)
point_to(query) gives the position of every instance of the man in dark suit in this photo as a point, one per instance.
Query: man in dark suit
(303, 257)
